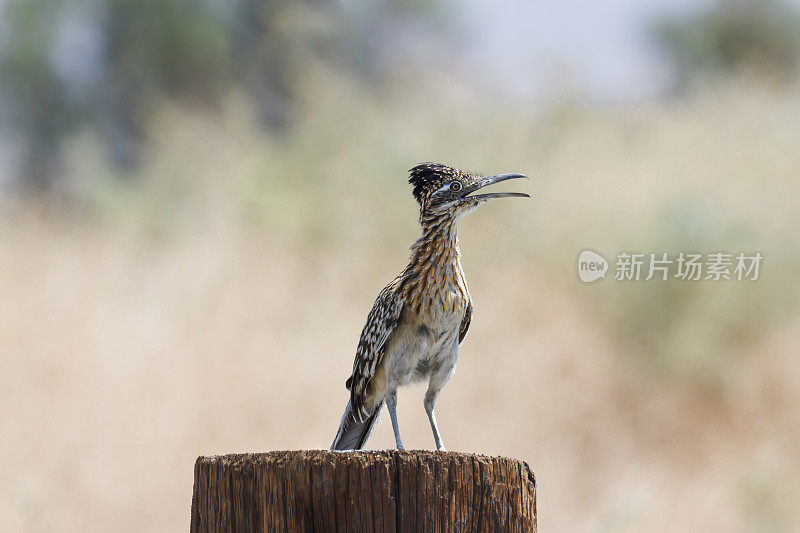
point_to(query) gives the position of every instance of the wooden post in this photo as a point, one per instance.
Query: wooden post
(386, 490)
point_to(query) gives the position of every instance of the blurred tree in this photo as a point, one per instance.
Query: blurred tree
(136, 49)
(760, 36)
(32, 98)
(172, 47)
(70, 64)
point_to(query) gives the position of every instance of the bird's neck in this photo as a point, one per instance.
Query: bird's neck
(438, 244)
(435, 261)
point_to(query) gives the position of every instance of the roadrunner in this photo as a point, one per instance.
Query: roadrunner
(418, 321)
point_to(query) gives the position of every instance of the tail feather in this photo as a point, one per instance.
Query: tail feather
(353, 435)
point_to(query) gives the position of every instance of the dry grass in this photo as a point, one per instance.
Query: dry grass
(216, 309)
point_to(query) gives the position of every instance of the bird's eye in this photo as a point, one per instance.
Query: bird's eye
(455, 186)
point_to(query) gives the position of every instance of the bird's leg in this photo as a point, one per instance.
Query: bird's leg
(391, 403)
(430, 402)
(438, 380)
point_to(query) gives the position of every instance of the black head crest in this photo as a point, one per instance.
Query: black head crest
(426, 177)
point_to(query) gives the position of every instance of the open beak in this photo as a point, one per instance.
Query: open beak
(491, 180)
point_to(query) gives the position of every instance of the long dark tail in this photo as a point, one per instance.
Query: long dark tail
(353, 435)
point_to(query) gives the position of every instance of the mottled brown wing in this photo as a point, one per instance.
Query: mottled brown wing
(381, 322)
(462, 332)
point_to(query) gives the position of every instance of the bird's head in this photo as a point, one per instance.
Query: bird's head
(444, 190)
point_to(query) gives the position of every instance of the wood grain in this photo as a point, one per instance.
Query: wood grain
(385, 490)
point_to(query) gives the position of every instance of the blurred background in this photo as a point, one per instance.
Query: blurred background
(199, 202)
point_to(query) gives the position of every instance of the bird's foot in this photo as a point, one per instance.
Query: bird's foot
(400, 446)
(441, 449)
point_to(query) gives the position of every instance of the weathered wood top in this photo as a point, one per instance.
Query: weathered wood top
(386, 490)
